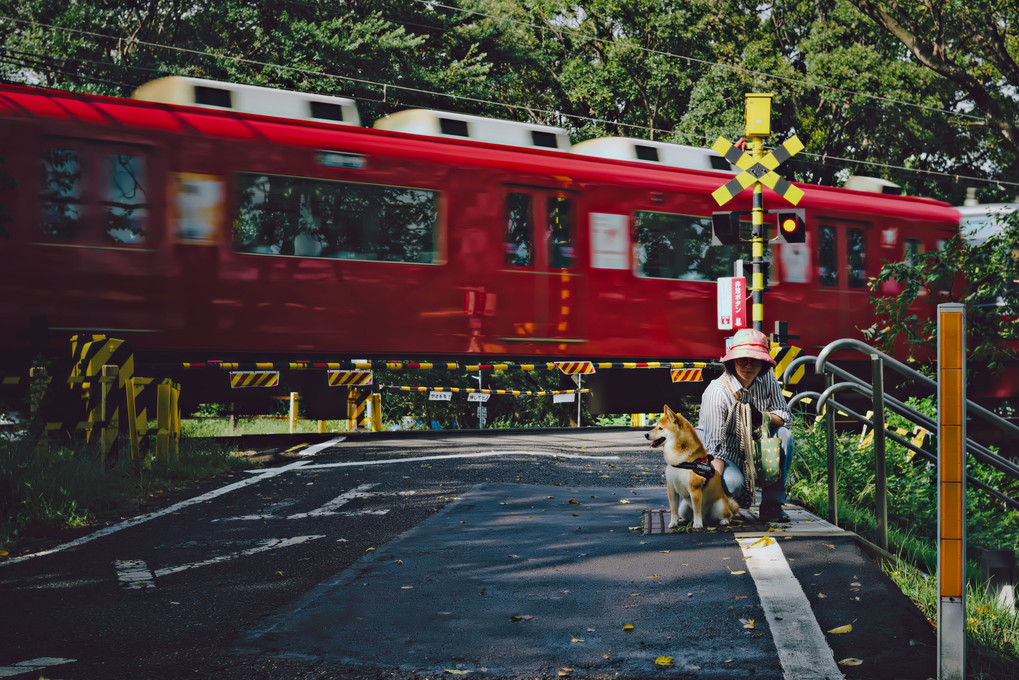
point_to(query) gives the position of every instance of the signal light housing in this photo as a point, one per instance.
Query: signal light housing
(725, 228)
(792, 227)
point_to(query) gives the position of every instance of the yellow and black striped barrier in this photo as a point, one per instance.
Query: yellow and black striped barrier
(471, 390)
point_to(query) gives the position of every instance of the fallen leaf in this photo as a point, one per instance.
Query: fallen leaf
(664, 660)
(693, 668)
(564, 672)
(850, 662)
(736, 573)
(654, 576)
(628, 626)
(748, 624)
(665, 552)
(453, 671)
(856, 584)
(524, 617)
(624, 501)
(576, 639)
(842, 629)
(406, 587)
(822, 595)
(763, 541)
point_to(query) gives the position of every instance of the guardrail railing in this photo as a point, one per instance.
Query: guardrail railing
(827, 406)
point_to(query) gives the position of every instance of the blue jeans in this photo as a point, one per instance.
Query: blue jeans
(732, 476)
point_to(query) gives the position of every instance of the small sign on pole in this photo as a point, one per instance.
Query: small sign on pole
(436, 395)
(732, 303)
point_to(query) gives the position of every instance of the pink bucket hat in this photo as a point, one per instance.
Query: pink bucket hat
(751, 344)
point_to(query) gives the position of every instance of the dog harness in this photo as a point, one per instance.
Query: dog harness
(701, 466)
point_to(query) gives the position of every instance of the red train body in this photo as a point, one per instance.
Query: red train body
(198, 234)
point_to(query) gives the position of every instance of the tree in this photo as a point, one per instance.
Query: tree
(982, 276)
(974, 44)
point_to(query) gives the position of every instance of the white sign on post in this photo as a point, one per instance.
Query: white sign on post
(563, 398)
(732, 303)
(478, 396)
(440, 396)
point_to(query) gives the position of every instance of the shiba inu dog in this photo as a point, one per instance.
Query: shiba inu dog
(695, 489)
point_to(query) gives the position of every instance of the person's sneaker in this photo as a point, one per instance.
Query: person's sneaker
(772, 513)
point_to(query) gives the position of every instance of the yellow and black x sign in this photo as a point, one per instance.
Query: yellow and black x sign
(755, 170)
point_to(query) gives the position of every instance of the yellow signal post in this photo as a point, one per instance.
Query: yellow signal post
(951, 491)
(759, 170)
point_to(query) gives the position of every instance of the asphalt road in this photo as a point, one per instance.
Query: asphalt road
(496, 556)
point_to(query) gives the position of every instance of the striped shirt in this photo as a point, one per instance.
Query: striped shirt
(718, 400)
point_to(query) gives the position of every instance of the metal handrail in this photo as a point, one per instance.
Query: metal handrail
(880, 359)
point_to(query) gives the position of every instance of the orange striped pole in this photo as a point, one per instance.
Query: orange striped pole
(951, 491)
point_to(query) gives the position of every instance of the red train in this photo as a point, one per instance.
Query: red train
(213, 231)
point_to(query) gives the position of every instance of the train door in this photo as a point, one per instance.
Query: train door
(541, 277)
(843, 261)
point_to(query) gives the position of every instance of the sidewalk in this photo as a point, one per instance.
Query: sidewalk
(564, 582)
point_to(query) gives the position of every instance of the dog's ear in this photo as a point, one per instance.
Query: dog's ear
(669, 413)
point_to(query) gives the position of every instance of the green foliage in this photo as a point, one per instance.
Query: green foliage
(912, 491)
(65, 485)
(981, 276)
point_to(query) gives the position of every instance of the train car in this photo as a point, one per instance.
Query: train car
(205, 231)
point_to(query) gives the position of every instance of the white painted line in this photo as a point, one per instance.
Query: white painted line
(802, 649)
(341, 500)
(479, 454)
(267, 544)
(262, 474)
(134, 574)
(313, 450)
(32, 665)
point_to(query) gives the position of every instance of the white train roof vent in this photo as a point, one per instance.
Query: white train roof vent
(478, 128)
(662, 153)
(265, 101)
(875, 185)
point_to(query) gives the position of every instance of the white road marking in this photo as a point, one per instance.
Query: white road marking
(134, 574)
(450, 456)
(341, 500)
(106, 531)
(802, 649)
(267, 544)
(313, 450)
(32, 665)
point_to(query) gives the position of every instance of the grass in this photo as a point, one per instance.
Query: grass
(992, 632)
(67, 485)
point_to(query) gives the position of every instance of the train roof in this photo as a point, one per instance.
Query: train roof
(491, 130)
(659, 153)
(265, 101)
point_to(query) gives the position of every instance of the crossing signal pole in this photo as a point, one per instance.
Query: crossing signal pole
(758, 170)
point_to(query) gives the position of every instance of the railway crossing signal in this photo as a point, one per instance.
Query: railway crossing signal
(758, 171)
(790, 222)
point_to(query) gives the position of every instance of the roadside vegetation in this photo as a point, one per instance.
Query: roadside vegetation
(992, 630)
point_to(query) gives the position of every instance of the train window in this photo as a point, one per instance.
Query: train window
(62, 194)
(562, 253)
(316, 218)
(125, 198)
(828, 256)
(856, 257)
(913, 248)
(672, 246)
(517, 243)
